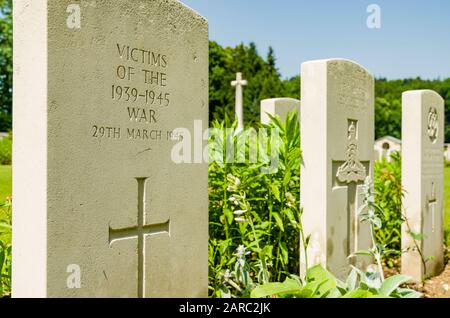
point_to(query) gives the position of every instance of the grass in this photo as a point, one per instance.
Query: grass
(5, 182)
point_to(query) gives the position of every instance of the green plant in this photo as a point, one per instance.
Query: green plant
(254, 207)
(319, 283)
(5, 251)
(6, 150)
(388, 196)
(388, 199)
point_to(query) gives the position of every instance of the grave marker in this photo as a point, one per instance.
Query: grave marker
(337, 135)
(95, 111)
(278, 106)
(423, 182)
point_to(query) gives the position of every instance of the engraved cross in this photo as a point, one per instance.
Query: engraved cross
(350, 174)
(140, 232)
(432, 205)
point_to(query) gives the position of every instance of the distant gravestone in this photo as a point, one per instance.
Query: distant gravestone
(423, 181)
(337, 137)
(100, 208)
(3, 135)
(278, 107)
(386, 146)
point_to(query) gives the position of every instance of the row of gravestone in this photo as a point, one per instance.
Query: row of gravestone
(337, 136)
(100, 207)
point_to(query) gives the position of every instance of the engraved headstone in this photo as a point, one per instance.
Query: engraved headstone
(423, 182)
(101, 209)
(278, 107)
(337, 136)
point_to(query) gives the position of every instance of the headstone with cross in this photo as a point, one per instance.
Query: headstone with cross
(423, 181)
(140, 232)
(337, 136)
(101, 92)
(239, 84)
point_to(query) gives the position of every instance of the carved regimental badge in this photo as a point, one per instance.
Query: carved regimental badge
(433, 125)
(352, 170)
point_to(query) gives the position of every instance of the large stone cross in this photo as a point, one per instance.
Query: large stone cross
(351, 173)
(239, 83)
(140, 232)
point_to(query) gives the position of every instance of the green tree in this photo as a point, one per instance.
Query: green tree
(262, 76)
(388, 103)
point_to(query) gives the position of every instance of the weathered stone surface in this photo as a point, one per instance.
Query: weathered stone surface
(423, 181)
(278, 107)
(337, 136)
(97, 96)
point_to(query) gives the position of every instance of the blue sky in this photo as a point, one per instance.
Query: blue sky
(414, 39)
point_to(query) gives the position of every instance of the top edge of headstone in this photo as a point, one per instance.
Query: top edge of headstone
(278, 99)
(194, 12)
(421, 92)
(332, 60)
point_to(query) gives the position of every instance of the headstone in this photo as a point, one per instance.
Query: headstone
(447, 152)
(386, 146)
(337, 137)
(100, 208)
(278, 107)
(239, 84)
(423, 182)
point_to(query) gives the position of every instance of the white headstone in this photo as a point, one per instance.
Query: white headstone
(3, 135)
(423, 182)
(239, 84)
(385, 146)
(337, 137)
(100, 209)
(278, 107)
(447, 152)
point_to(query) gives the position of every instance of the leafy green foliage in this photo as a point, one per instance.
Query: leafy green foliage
(388, 110)
(6, 150)
(388, 196)
(257, 210)
(319, 283)
(264, 81)
(262, 75)
(5, 251)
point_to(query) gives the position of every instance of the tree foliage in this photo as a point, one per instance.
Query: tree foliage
(264, 80)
